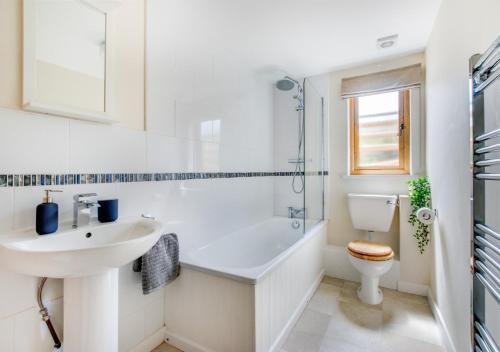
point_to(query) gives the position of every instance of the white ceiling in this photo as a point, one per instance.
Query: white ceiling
(303, 37)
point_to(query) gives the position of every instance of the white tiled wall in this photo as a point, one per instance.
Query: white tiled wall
(198, 210)
(205, 96)
(286, 132)
(29, 143)
(113, 149)
(200, 118)
(207, 111)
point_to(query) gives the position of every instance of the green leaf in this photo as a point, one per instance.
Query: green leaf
(419, 191)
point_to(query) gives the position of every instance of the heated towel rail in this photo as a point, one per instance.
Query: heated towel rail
(485, 238)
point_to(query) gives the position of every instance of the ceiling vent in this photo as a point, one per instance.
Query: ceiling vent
(387, 42)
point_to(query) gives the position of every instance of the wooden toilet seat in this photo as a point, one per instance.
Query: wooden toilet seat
(370, 250)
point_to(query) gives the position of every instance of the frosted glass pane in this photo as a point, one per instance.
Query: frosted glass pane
(379, 130)
(378, 103)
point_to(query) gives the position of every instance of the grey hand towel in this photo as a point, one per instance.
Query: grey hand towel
(160, 265)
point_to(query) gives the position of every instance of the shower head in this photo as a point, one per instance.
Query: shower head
(285, 84)
(288, 83)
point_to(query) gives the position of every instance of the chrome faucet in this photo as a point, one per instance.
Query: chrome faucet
(296, 213)
(84, 209)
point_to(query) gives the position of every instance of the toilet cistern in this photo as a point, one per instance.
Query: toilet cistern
(372, 212)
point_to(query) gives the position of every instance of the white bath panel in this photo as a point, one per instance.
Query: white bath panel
(209, 311)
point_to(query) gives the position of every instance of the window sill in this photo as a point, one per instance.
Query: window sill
(380, 177)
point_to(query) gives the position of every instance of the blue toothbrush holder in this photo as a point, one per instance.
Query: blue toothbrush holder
(108, 210)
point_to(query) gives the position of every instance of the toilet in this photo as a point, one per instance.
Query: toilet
(371, 213)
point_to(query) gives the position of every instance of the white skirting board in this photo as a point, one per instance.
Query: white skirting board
(410, 287)
(151, 342)
(296, 315)
(445, 334)
(184, 343)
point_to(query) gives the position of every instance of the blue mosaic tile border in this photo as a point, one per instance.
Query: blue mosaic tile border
(13, 180)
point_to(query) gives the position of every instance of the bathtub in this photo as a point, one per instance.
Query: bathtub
(244, 291)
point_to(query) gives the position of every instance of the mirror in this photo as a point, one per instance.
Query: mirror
(65, 48)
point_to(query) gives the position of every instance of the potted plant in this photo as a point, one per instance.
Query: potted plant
(419, 191)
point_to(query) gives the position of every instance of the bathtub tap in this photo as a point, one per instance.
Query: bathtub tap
(296, 213)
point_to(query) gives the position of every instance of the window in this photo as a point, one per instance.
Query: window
(380, 133)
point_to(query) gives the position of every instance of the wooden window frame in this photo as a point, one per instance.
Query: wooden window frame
(404, 140)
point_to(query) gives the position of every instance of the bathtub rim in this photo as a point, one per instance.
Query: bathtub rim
(256, 274)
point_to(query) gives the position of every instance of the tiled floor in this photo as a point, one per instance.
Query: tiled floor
(335, 320)
(164, 347)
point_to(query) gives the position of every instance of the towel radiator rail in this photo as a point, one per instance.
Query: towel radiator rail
(486, 230)
(489, 135)
(486, 176)
(488, 149)
(487, 162)
(485, 240)
(482, 255)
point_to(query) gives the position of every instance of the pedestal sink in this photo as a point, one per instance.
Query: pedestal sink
(87, 259)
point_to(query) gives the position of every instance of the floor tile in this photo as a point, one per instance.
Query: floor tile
(299, 341)
(361, 315)
(410, 320)
(164, 347)
(325, 299)
(333, 281)
(403, 297)
(308, 333)
(313, 322)
(335, 320)
(349, 293)
(396, 343)
(335, 345)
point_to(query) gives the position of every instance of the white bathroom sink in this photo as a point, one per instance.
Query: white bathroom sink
(71, 253)
(87, 259)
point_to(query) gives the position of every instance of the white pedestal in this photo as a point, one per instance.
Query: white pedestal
(91, 313)
(369, 292)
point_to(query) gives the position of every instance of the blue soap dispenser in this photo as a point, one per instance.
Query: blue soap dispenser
(47, 214)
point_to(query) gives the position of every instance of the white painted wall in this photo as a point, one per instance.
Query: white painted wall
(415, 268)
(461, 30)
(340, 229)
